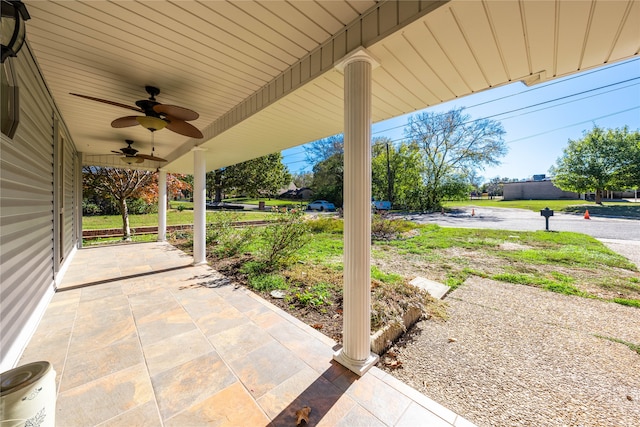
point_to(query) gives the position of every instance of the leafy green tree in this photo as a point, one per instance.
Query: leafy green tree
(118, 185)
(453, 146)
(302, 179)
(604, 159)
(262, 176)
(400, 174)
(328, 179)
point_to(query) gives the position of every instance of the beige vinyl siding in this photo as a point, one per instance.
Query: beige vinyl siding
(26, 211)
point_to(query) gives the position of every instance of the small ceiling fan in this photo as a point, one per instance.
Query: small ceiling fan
(130, 155)
(156, 115)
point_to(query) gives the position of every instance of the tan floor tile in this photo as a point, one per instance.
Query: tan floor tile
(360, 417)
(103, 399)
(88, 366)
(231, 407)
(240, 340)
(266, 367)
(104, 336)
(175, 351)
(141, 416)
(99, 305)
(150, 297)
(163, 325)
(201, 302)
(306, 388)
(417, 415)
(374, 395)
(90, 321)
(100, 292)
(222, 320)
(183, 386)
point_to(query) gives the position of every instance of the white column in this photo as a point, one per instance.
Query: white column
(162, 205)
(199, 206)
(355, 353)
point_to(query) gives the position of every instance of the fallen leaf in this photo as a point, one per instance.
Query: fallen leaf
(452, 340)
(303, 414)
(317, 326)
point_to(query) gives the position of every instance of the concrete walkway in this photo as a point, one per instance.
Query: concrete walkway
(139, 337)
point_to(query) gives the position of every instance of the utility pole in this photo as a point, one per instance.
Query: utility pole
(388, 174)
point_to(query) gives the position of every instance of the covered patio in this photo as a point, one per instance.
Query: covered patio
(155, 335)
(138, 335)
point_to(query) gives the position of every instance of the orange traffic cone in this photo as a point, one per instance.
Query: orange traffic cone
(473, 212)
(586, 214)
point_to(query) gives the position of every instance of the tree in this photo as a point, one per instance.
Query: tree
(602, 160)
(263, 176)
(322, 149)
(118, 185)
(453, 146)
(328, 179)
(398, 173)
(302, 179)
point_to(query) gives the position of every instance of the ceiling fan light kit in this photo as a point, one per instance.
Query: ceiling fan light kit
(156, 115)
(151, 123)
(131, 159)
(129, 155)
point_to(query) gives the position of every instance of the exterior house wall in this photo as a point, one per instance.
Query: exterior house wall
(38, 220)
(537, 190)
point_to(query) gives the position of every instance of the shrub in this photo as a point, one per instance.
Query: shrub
(267, 282)
(387, 229)
(283, 238)
(90, 209)
(223, 239)
(326, 225)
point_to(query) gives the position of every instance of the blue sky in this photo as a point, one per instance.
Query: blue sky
(536, 134)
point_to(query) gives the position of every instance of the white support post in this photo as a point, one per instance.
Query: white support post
(199, 206)
(356, 352)
(162, 205)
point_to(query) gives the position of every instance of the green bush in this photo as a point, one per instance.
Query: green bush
(388, 229)
(225, 240)
(267, 282)
(90, 209)
(140, 207)
(326, 225)
(282, 238)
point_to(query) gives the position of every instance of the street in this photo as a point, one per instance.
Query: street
(525, 220)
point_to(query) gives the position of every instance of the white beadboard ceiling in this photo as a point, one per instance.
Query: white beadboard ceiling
(260, 72)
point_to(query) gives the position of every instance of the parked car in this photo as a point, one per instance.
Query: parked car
(321, 205)
(381, 205)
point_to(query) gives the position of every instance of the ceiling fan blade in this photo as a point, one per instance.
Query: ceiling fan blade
(180, 113)
(116, 152)
(106, 101)
(124, 122)
(153, 158)
(183, 128)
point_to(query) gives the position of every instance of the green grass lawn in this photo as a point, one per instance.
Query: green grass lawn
(267, 202)
(617, 209)
(568, 263)
(174, 217)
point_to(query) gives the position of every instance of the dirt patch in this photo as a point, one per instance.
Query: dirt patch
(510, 246)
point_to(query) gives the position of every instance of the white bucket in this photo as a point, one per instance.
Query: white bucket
(28, 396)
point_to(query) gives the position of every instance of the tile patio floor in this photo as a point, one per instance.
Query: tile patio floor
(140, 337)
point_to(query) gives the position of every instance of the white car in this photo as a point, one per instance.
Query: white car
(321, 205)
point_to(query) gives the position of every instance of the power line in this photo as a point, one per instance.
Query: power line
(534, 111)
(530, 90)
